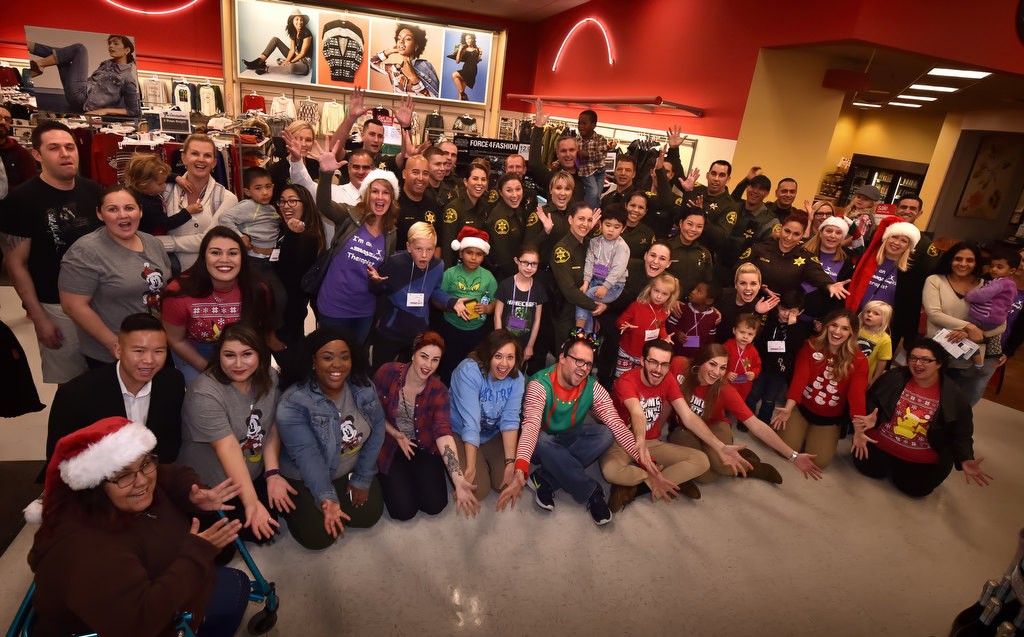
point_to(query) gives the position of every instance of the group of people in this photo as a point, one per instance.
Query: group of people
(495, 327)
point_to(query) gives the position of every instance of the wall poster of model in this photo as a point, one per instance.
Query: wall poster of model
(82, 72)
(343, 56)
(405, 58)
(277, 42)
(466, 63)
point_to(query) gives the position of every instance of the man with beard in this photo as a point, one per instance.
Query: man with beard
(624, 176)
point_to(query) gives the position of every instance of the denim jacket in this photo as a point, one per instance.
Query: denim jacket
(310, 428)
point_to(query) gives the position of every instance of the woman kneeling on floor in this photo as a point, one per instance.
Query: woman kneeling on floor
(703, 386)
(920, 426)
(332, 428)
(120, 551)
(416, 417)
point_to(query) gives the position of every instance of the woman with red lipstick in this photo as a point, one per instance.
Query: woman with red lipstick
(216, 291)
(228, 431)
(110, 273)
(828, 387)
(745, 297)
(468, 209)
(419, 449)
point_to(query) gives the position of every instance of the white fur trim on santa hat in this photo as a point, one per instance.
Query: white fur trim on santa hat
(838, 222)
(107, 456)
(471, 242)
(378, 174)
(903, 229)
(34, 511)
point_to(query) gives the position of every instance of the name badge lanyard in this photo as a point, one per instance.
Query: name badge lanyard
(696, 323)
(527, 306)
(183, 200)
(416, 299)
(741, 367)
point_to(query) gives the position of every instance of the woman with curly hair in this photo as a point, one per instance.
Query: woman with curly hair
(828, 387)
(468, 54)
(297, 58)
(401, 64)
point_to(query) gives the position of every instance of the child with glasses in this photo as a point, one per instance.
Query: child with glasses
(521, 300)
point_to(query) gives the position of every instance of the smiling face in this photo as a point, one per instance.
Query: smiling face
(332, 365)
(503, 362)
(527, 263)
(586, 125)
(656, 260)
(378, 198)
(656, 365)
(416, 175)
(120, 213)
(713, 370)
(908, 210)
(405, 42)
(690, 228)
(142, 354)
(785, 193)
(625, 172)
(831, 237)
(298, 22)
(561, 194)
(451, 154)
(223, 261)
(304, 138)
(137, 496)
(566, 152)
(512, 193)
(359, 166)
(373, 137)
(516, 165)
(425, 361)
(839, 331)
(755, 195)
(964, 263)
(790, 235)
(895, 246)
(580, 223)
(239, 361)
(718, 177)
(923, 366)
(636, 210)
(200, 158)
(437, 168)
(574, 367)
(747, 286)
(290, 204)
(476, 183)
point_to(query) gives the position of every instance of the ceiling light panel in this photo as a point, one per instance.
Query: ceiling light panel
(934, 88)
(917, 98)
(970, 75)
(904, 104)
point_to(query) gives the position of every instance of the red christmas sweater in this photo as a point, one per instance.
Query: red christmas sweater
(815, 387)
(650, 323)
(742, 362)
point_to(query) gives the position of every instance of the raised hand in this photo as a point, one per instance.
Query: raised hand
(404, 112)
(542, 118)
(753, 172)
(690, 181)
(545, 220)
(328, 158)
(675, 136)
(221, 533)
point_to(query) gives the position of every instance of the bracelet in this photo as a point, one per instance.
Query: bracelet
(793, 456)
(270, 473)
(509, 461)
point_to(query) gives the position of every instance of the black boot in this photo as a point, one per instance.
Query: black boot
(254, 64)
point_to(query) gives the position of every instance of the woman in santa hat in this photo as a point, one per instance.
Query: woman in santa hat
(120, 551)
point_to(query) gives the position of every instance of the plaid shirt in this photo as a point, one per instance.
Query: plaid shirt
(594, 149)
(431, 417)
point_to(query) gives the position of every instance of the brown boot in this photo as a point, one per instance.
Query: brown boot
(766, 472)
(621, 496)
(750, 457)
(690, 490)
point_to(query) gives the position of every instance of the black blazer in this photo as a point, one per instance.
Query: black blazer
(96, 394)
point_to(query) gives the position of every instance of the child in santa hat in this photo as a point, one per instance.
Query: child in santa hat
(467, 279)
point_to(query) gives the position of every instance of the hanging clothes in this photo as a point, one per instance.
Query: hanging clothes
(331, 117)
(309, 111)
(184, 96)
(207, 100)
(254, 102)
(155, 92)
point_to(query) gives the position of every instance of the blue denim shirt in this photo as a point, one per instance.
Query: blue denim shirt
(309, 425)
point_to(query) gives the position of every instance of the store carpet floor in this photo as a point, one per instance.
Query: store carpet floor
(18, 478)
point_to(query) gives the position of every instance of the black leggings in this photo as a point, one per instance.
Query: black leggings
(414, 485)
(912, 478)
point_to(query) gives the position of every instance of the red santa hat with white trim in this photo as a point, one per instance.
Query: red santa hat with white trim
(85, 458)
(470, 237)
(889, 226)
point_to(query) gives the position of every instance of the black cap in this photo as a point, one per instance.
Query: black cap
(760, 181)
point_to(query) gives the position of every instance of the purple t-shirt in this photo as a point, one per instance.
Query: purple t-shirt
(830, 265)
(345, 292)
(1011, 318)
(882, 286)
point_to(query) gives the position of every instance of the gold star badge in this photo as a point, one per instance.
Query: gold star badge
(799, 261)
(713, 206)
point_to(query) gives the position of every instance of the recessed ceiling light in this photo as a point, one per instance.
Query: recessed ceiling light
(971, 75)
(919, 98)
(866, 105)
(904, 105)
(932, 87)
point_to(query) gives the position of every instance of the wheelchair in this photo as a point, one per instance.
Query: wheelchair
(260, 591)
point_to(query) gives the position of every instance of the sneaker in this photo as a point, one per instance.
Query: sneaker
(621, 496)
(599, 510)
(543, 494)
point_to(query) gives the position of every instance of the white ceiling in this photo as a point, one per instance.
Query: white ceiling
(519, 10)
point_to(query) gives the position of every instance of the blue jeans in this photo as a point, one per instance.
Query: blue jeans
(189, 372)
(358, 327)
(973, 380)
(73, 68)
(613, 293)
(593, 185)
(227, 603)
(767, 389)
(564, 458)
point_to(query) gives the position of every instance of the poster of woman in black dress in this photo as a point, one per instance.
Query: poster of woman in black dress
(468, 54)
(466, 62)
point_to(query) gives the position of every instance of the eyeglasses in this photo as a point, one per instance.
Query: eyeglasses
(6, 118)
(529, 264)
(587, 365)
(658, 364)
(920, 359)
(127, 479)
(288, 202)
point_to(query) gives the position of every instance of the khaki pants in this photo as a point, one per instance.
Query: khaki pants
(490, 465)
(820, 440)
(686, 438)
(62, 364)
(681, 464)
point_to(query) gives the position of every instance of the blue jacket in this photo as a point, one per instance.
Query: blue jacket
(395, 318)
(308, 422)
(483, 407)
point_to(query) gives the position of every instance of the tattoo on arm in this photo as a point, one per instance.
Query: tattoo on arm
(451, 461)
(8, 242)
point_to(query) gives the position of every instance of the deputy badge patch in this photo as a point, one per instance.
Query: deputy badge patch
(451, 215)
(932, 250)
(730, 217)
(746, 253)
(561, 255)
(492, 196)
(532, 219)
(501, 226)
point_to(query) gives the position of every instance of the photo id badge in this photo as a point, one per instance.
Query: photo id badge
(650, 335)
(516, 323)
(777, 346)
(275, 255)
(692, 342)
(414, 299)
(600, 271)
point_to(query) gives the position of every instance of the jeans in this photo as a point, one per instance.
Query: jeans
(592, 188)
(973, 380)
(73, 68)
(613, 293)
(767, 389)
(295, 68)
(227, 603)
(564, 457)
(189, 372)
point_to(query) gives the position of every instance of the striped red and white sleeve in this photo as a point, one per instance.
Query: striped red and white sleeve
(533, 407)
(605, 411)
